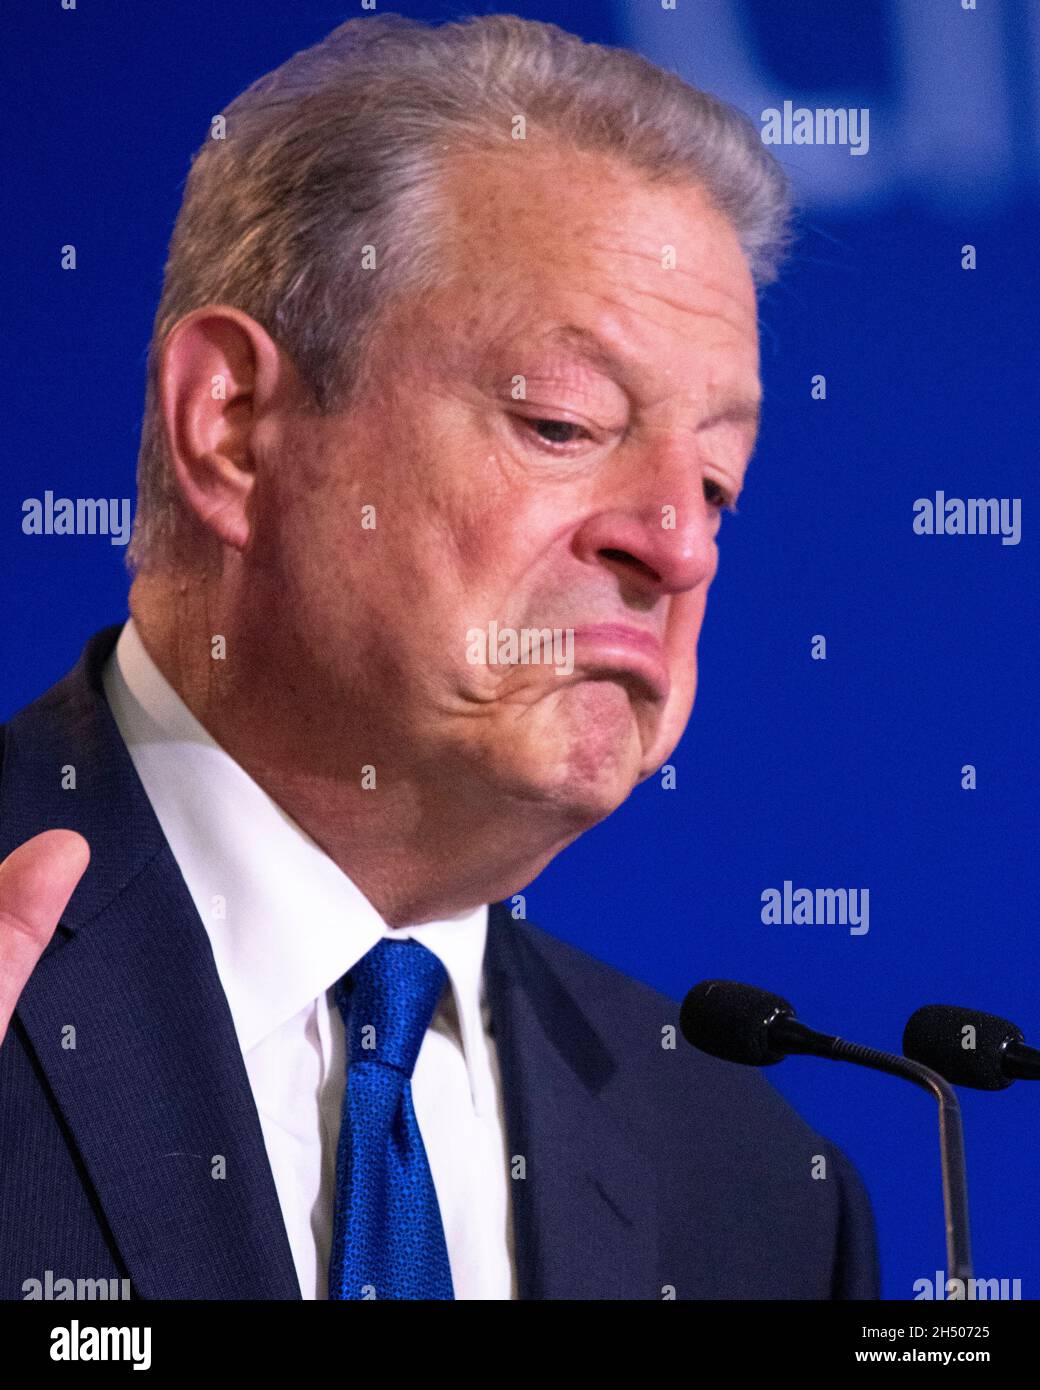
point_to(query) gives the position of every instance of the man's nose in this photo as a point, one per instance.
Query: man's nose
(660, 540)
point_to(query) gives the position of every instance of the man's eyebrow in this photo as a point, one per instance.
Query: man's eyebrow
(586, 344)
(739, 409)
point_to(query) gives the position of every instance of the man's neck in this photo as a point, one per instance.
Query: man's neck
(419, 844)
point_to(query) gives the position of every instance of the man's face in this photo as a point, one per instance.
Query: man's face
(524, 478)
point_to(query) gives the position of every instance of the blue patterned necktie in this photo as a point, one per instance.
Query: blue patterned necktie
(387, 1239)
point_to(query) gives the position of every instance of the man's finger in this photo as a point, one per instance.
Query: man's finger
(36, 881)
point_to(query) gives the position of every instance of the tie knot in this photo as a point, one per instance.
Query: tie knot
(387, 1001)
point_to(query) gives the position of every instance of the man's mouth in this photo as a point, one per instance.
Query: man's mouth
(613, 648)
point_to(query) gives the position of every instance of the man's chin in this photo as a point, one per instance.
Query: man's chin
(585, 773)
(574, 755)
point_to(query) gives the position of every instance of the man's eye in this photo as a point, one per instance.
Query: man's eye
(718, 496)
(555, 431)
(567, 432)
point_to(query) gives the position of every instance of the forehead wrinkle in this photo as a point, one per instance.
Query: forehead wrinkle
(731, 311)
(583, 239)
(687, 310)
(699, 273)
(735, 310)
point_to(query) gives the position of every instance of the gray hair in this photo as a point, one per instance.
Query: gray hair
(342, 147)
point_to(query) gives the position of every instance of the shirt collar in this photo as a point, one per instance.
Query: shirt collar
(284, 921)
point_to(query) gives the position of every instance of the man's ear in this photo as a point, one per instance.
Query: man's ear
(219, 374)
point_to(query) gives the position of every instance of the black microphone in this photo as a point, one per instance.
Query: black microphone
(990, 1057)
(739, 1023)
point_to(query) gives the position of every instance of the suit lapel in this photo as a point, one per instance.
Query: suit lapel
(129, 1021)
(584, 1213)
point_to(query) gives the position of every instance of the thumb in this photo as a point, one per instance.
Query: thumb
(36, 882)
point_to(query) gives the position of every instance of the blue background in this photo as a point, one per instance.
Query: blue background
(843, 773)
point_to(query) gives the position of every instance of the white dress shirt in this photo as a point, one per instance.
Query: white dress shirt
(285, 923)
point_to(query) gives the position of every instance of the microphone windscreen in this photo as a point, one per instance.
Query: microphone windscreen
(962, 1045)
(731, 1021)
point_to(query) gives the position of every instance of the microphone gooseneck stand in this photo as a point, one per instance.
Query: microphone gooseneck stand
(796, 1037)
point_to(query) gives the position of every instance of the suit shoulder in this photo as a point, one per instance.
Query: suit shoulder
(656, 1068)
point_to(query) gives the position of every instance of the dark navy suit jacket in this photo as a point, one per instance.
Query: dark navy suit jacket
(647, 1170)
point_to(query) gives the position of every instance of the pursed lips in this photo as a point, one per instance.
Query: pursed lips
(615, 646)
